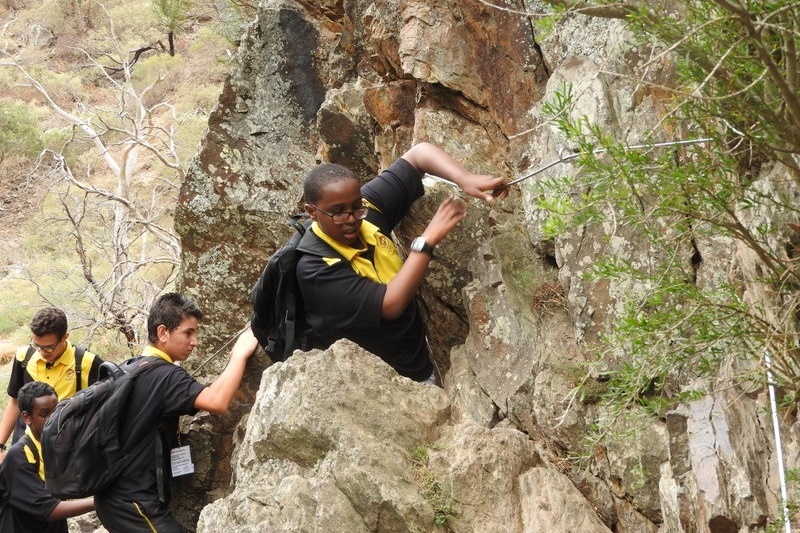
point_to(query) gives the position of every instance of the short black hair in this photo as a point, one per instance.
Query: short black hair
(30, 391)
(170, 310)
(49, 320)
(322, 175)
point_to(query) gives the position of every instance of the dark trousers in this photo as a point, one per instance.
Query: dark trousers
(135, 517)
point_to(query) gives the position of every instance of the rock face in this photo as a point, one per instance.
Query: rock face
(333, 440)
(385, 455)
(302, 466)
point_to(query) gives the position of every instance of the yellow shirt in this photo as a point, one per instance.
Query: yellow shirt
(61, 374)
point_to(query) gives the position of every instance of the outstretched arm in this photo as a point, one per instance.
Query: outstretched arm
(217, 397)
(426, 157)
(70, 508)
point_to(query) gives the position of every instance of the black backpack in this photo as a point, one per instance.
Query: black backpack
(81, 443)
(278, 318)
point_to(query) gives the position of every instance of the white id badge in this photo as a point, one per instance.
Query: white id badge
(181, 461)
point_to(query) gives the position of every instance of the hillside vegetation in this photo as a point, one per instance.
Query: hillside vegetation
(102, 106)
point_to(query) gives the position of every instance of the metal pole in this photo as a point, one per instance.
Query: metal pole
(603, 150)
(569, 157)
(773, 405)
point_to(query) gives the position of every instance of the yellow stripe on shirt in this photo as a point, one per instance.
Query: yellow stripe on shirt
(29, 452)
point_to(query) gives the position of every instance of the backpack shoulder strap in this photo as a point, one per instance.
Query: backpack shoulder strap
(133, 366)
(28, 354)
(79, 351)
(145, 363)
(23, 365)
(142, 364)
(291, 303)
(298, 223)
(311, 243)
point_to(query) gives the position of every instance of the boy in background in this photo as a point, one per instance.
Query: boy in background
(25, 504)
(52, 359)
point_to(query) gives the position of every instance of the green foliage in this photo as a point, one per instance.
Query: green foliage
(19, 134)
(56, 139)
(234, 15)
(543, 25)
(152, 67)
(171, 14)
(420, 455)
(132, 24)
(675, 328)
(737, 87)
(436, 492)
(128, 257)
(210, 42)
(70, 18)
(739, 63)
(61, 86)
(19, 304)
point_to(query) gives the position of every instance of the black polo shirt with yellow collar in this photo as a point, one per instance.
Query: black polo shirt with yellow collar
(343, 287)
(25, 503)
(158, 397)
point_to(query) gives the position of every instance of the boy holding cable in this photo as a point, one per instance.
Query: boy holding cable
(353, 280)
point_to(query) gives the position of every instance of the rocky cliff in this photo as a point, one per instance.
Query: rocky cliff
(334, 440)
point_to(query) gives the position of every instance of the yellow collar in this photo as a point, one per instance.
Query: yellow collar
(385, 263)
(155, 352)
(67, 358)
(369, 233)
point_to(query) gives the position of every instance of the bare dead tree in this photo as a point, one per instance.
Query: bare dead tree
(123, 241)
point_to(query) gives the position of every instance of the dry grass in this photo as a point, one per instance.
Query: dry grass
(549, 298)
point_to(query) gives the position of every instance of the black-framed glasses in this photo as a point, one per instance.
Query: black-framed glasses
(49, 348)
(342, 216)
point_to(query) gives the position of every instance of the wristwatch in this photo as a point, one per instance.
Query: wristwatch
(420, 245)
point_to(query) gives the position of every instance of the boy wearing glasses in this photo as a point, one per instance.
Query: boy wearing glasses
(351, 276)
(49, 358)
(25, 504)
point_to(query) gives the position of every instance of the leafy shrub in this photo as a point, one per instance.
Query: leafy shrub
(19, 134)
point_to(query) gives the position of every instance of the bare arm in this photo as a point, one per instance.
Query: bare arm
(217, 397)
(70, 508)
(426, 157)
(10, 416)
(401, 290)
